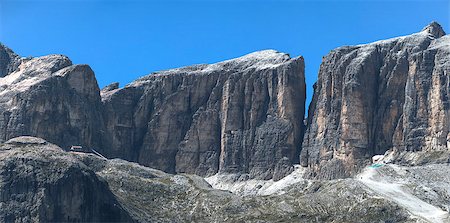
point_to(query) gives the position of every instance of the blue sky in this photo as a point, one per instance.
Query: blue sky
(123, 40)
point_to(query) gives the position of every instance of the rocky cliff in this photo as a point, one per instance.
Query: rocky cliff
(242, 116)
(39, 182)
(50, 98)
(387, 95)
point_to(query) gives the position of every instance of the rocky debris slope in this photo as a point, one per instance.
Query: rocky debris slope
(153, 196)
(234, 183)
(387, 95)
(39, 182)
(241, 116)
(238, 116)
(398, 185)
(422, 191)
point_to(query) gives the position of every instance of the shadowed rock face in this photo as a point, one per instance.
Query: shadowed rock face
(9, 61)
(39, 182)
(241, 116)
(391, 94)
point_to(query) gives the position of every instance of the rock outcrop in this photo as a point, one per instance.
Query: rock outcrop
(387, 95)
(49, 97)
(241, 116)
(39, 182)
(9, 61)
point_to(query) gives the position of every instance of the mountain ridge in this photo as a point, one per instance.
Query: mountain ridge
(97, 118)
(236, 115)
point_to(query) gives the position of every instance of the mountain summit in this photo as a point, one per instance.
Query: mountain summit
(434, 29)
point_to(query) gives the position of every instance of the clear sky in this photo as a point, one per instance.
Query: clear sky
(123, 40)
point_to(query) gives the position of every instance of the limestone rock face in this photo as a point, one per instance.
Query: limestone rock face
(9, 61)
(243, 115)
(39, 182)
(390, 94)
(49, 97)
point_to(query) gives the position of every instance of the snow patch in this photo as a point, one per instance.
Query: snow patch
(377, 158)
(408, 38)
(30, 73)
(256, 187)
(441, 43)
(260, 60)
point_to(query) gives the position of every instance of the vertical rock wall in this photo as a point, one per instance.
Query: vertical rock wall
(391, 94)
(239, 116)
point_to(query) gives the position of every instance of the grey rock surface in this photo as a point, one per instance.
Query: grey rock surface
(110, 87)
(39, 182)
(242, 115)
(49, 97)
(9, 61)
(387, 95)
(153, 196)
